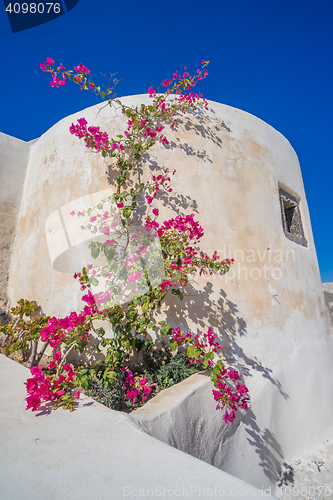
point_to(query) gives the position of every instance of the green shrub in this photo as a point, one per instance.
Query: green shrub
(159, 367)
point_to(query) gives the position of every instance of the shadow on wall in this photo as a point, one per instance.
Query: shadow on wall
(200, 309)
(222, 316)
(266, 446)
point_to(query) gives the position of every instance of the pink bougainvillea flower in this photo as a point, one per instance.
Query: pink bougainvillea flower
(33, 402)
(151, 92)
(32, 385)
(57, 355)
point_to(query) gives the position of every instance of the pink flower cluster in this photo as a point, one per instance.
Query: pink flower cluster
(230, 394)
(42, 388)
(206, 261)
(182, 83)
(163, 109)
(209, 341)
(191, 100)
(59, 329)
(92, 300)
(147, 130)
(158, 182)
(185, 225)
(136, 390)
(56, 81)
(81, 70)
(179, 338)
(93, 136)
(134, 277)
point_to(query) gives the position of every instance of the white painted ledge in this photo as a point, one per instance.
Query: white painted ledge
(94, 453)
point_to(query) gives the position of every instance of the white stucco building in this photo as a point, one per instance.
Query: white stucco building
(242, 180)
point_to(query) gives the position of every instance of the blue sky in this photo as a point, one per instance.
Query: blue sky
(271, 58)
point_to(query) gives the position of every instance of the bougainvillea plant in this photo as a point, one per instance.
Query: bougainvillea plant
(135, 266)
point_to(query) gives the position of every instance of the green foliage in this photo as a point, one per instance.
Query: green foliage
(160, 366)
(23, 329)
(112, 395)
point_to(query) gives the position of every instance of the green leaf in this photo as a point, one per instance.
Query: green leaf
(84, 382)
(210, 355)
(145, 308)
(173, 344)
(165, 329)
(109, 253)
(190, 351)
(94, 281)
(100, 206)
(197, 353)
(127, 212)
(95, 252)
(150, 324)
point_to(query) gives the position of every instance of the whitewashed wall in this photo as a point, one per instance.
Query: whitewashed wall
(269, 311)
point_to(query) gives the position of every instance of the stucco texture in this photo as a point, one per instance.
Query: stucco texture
(14, 157)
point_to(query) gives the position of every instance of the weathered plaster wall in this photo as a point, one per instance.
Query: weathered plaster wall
(269, 311)
(328, 292)
(14, 156)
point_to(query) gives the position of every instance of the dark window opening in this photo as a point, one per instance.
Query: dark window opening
(291, 218)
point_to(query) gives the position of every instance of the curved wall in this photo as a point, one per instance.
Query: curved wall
(269, 310)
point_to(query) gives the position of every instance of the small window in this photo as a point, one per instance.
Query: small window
(291, 218)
